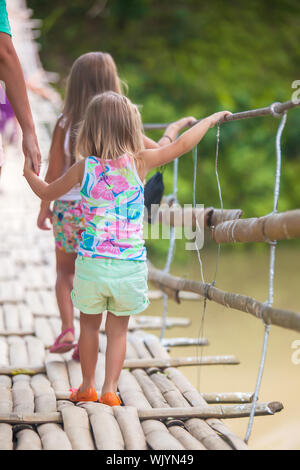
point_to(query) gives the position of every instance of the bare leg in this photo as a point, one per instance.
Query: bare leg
(116, 331)
(65, 268)
(89, 347)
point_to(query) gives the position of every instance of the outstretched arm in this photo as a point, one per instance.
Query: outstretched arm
(157, 157)
(15, 88)
(57, 188)
(170, 133)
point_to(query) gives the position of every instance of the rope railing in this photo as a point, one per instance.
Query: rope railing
(282, 226)
(274, 109)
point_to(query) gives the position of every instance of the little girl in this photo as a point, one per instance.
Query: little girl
(91, 74)
(111, 269)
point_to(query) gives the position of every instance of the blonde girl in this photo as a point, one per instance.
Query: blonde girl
(111, 268)
(91, 74)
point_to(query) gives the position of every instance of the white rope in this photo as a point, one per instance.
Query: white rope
(221, 200)
(201, 327)
(271, 276)
(171, 251)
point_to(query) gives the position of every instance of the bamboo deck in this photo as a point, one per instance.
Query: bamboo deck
(162, 410)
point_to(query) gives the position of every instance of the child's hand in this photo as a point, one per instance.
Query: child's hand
(185, 122)
(28, 164)
(217, 117)
(45, 213)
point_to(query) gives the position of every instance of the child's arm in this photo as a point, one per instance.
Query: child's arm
(57, 188)
(170, 133)
(157, 157)
(54, 171)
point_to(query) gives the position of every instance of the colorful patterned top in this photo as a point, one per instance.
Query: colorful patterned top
(112, 198)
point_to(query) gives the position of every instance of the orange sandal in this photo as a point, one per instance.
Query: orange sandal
(110, 399)
(90, 394)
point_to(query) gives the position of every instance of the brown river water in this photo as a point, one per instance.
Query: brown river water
(234, 332)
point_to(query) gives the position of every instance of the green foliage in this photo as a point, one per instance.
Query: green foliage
(191, 57)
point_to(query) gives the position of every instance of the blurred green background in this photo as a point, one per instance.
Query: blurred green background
(192, 57)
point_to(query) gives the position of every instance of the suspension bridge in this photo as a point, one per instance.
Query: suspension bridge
(162, 410)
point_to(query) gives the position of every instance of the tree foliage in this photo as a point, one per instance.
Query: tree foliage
(192, 57)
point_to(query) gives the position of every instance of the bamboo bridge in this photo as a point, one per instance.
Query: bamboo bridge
(162, 410)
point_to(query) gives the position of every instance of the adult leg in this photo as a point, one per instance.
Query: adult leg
(89, 348)
(65, 268)
(116, 331)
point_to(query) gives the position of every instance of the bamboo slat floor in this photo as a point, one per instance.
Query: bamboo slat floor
(34, 411)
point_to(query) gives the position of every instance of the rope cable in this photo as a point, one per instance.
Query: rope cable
(273, 245)
(171, 251)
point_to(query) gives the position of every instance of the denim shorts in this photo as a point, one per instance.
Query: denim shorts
(119, 286)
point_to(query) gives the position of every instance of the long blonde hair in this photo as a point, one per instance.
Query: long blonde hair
(112, 126)
(91, 74)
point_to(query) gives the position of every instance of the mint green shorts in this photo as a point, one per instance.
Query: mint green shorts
(119, 286)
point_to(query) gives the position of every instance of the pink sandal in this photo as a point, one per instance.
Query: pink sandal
(64, 346)
(75, 354)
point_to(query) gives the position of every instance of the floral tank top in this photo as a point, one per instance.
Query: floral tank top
(112, 198)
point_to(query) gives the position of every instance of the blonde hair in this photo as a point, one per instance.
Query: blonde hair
(91, 74)
(111, 127)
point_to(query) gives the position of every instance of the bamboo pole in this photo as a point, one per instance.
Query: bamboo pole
(6, 437)
(188, 441)
(24, 369)
(53, 437)
(158, 294)
(158, 436)
(154, 322)
(76, 426)
(44, 395)
(6, 401)
(221, 215)
(23, 398)
(281, 226)
(179, 362)
(151, 391)
(179, 342)
(57, 372)
(214, 411)
(266, 111)
(284, 318)
(32, 418)
(131, 392)
(27, 439)
(206, 435)
(107, 433)
(235, 441)
(16, 332)
(130, 426)
(58, 375)
(232, 397)
(197, 427)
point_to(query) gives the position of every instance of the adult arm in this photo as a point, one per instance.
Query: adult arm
(157, 157)
(170, 133)
(11, 74)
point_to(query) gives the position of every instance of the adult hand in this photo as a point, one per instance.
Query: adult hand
(31, 149)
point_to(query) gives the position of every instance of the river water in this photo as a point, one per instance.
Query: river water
(234, 332)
